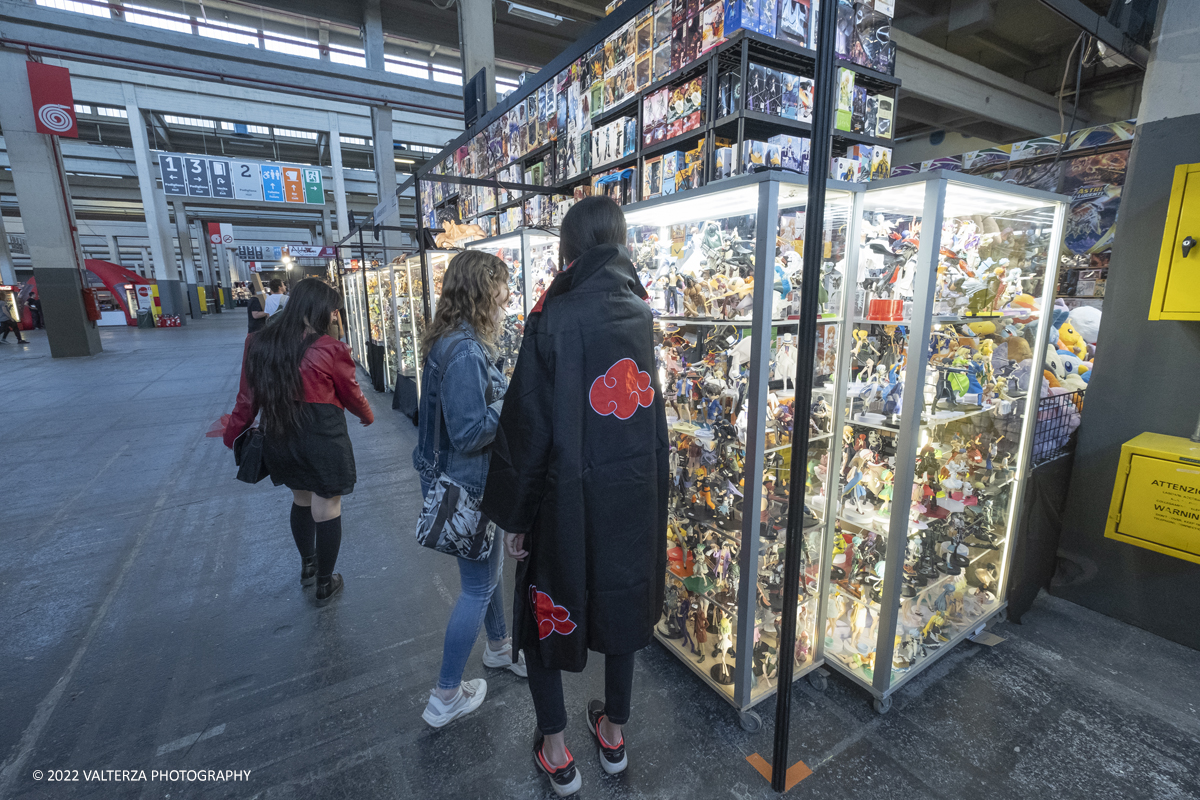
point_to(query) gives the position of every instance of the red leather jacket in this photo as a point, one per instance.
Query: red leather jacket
(328, 375)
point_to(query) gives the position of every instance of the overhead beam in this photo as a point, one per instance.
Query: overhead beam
(945, 79)
(80, 37)
(1091, 22)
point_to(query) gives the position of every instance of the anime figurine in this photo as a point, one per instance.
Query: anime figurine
(699, 629)
(722, 673)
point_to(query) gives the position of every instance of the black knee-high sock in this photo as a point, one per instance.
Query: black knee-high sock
(303, 530)
(329, 541)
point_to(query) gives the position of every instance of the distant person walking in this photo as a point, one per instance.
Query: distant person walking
(461, 378)
(8, 324)
(578, 476)
(277, 299)
(35, 310)
(257, 314)
(303, 382)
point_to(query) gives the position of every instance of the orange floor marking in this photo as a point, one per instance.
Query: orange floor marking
(796, 772)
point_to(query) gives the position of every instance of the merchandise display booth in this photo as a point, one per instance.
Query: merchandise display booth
(934, 439)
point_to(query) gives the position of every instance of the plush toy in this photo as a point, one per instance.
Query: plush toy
(1086, 322)
(1059, 375)
(1028, 305)
(1070, 340)
(1075, 365)
(1018, 349)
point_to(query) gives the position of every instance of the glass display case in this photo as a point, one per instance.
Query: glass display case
(381, 318)
(934, 438)
(722, 267)
(356, 315)
(408, 290)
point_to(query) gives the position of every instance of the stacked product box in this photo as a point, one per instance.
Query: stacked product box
(863, 33)
(858, 111)
(779, 93)
(613, 141)
(510, 219)
(673, 172)
(758, 16)
(863, 162)
(793, 152)
(619, 184)
(672, 111)
(757, 155)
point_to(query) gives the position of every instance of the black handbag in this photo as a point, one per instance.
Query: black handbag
(405, 399)
(248, 455)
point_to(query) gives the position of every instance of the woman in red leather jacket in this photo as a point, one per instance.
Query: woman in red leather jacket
(303, 382)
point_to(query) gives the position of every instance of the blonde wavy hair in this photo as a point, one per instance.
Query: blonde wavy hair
(469, 288)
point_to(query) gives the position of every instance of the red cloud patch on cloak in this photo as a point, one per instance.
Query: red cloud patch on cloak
(621, 390)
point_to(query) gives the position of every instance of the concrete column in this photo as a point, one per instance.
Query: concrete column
(184, 232)
(154, 206)
(114, 252)
(373, 34)
(339, 177)
(46, 211)
(326, 227)
(477, 44)
(8, 272)
(228, 274)
(1111, 577)
(385, 151)
(147, 268)
(207, 278)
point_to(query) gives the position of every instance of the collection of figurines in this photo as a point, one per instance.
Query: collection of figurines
(702, 292)
(979, 367)
(700, 279)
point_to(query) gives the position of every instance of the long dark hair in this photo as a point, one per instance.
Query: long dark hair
(591, 222)
(273, 362)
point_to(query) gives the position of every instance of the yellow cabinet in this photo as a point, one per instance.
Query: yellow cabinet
(1177, 285)
(1156, 499)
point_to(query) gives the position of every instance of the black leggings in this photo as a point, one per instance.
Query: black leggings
(546, 687)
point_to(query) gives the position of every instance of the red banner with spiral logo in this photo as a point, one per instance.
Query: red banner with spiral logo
(53, 104)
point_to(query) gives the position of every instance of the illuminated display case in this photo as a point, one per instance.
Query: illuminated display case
(934, 440)
(408, 291)
(722, 266)
(356, 315)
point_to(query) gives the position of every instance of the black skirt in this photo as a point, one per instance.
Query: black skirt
(317, 458)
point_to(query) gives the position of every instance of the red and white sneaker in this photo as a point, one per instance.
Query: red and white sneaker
(612, 757)
(564, 780)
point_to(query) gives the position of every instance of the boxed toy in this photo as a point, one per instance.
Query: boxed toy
(793, 152)
(793, 21)
(754, 156)
(723, 163)
(872, 117)
(806, 100)
(642, 72)
(741, 14)
(790, 90)
(881, 163)
(712, 26)
(654, 117)
(774, 103)
(629, 138)
(858, 111)
(883, 116)
(652, 178)
(645, 35)
(768, 13)
(661, 67)
(756, 91)
(845, 38)
(872, 46)
(845, 99)
(662, 25)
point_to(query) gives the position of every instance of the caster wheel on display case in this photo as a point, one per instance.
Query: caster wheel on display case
(818, 680)
(750, 721)
(882, 706)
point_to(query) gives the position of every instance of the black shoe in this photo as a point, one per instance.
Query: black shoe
(612, 759)
(308, 571)
(565, 780)
(328, 587)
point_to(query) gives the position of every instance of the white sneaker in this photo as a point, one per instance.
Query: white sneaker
(439, 713)
(502, 659)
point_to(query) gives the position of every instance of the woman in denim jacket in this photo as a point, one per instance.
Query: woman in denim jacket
(459, 348)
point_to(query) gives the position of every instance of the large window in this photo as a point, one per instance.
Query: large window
(292, 46)
(180, 23)
(345, 55)
(97, 10)
(228, 33)
(407, 66)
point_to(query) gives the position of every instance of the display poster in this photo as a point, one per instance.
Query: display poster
(1094, 184)
(293, 186)
(196, 170)
(1162, 503)
(222, 181)
(272, 182)
(191, 175)
(247, 181)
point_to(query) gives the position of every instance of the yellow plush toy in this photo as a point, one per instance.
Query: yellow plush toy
(1070, 340)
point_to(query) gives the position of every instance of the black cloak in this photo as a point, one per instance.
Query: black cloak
(580, 465)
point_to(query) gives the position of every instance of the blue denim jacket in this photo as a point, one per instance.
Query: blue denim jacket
(472, 389)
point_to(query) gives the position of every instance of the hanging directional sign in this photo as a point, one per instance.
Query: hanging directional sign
(197, 177)
(173, 179)
(247, 181)
(191, 175)
(222, 183)
(272, 183)
(314, 191)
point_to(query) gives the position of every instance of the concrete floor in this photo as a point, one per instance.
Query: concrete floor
(154, 621)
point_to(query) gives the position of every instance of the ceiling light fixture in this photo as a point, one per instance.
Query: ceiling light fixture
(535, 14)
(404, 161)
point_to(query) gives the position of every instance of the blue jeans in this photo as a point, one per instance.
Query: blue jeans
(481, 600)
